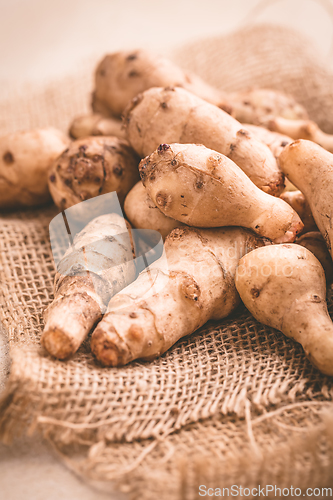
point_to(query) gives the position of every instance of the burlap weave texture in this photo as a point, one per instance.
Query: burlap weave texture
(191, 413)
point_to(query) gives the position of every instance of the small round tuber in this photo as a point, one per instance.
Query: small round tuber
(121, 76)
(144, 214)
(25, 159)
(90, 167)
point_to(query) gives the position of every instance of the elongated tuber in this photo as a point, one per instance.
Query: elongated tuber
(174, 296)
(302, 129)
(25, 158)
(95, 124)
(298, 202)
(98, 265)
(310, 168)
(144, 214)
(284, 287)
(121, 76)
(183, 179)
(93, 166)
(166, 115)
(314, 242)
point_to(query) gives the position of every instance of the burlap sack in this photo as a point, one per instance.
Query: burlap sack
(236, 403)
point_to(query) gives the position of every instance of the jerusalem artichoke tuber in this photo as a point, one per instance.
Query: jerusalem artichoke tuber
(183, 179)
(121, 76)
(298, 202)
(174, 296)
(310, 168)
(90, 167)
(144, 214)
(95, 124)
(314, 242)
(284, 287)
(25, 158)
(302, 129)
(275, 141)
(98, 265)
(256, 106)
(166, 115)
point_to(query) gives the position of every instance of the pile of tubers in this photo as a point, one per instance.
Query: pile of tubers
(206, 170)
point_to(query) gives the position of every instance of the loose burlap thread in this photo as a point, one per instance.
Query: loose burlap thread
(235, 403)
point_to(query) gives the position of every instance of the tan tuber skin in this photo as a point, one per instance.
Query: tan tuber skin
(284, 287)
(203, 188)
(143, 213)
(121, 76)
(256, 106)
(90, 167)
(85, 282)
(174, 296)
(302, 129)
(314, 242)
(25, 158)
(275, 141)
(298, 202)
(310, 168)
(95, 124)
(167, 115)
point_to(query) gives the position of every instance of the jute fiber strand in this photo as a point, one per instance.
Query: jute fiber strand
(235, 403)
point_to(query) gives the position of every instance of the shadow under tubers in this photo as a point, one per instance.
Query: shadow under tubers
(284, 287)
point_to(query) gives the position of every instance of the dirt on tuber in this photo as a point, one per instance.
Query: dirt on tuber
(174, 296)
(184, 179)
(98, 265)
(91, 167)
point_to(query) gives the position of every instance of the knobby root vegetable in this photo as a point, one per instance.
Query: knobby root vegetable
(95, 124)
(314, 242)
(302, 129)
(256, 106)
(98, 265)
(93, 166)
(284, 287)
(200, 187)
(121, 76)
(275, 141)
(167, 115)
(310, 168)
(298, 202)
(174, 296)
(25, 158)
(143, 213)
